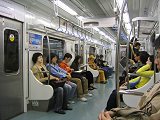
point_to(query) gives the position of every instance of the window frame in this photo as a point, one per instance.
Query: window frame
(18, 71)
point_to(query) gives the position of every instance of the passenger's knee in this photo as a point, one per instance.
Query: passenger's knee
(74, 85)
(60, 90)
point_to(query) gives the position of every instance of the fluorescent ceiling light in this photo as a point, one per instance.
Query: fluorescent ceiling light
(45, 23)
(52, 25)
(29, 16)
(102, 33)
(120, 3)
(11, 8)
(96, 29)
(106, 36)
(80, 18)
(66, 8)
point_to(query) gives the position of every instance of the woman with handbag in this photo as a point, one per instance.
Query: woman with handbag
(62, 74)
(41, 73)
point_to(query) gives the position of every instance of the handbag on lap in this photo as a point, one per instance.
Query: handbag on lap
(57, 83)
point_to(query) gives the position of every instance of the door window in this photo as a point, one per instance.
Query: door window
(11, 51)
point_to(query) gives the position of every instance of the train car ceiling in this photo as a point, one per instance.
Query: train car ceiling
(77, 10)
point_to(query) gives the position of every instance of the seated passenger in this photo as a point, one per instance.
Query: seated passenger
(140, 59)
(145, 74)
(96, 60)
(60, 73)
(64, 65)
(92, 64)
(41, 73)
(148, 109)
(108, 70)
(76, 66)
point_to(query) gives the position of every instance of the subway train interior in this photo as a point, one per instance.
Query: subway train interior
(78, 59)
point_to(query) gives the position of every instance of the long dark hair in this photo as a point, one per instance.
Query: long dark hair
(76, 59)
(75, 64)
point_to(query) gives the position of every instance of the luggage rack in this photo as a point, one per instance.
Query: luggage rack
(144, 26)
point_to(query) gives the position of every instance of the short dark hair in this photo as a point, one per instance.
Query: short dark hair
(137, 44)
(52, 55)
(67, 55)
(144, 57)
(101, 56)
(35, 57)
(133, 39)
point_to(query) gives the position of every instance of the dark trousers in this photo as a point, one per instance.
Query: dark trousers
(112, 101)
(89, 76)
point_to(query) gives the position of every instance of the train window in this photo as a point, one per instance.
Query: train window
(92, 50)
(11, 51)
(76, 49)
(56, 46)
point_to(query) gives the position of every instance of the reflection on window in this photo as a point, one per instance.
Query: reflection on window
(11, 52)
(56, 46)
(92, 50)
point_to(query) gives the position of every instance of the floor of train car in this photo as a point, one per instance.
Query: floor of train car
(81, 110)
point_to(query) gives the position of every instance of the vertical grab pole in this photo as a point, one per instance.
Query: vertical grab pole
(127, 56)
(49, 55)
(117, 52)
(154, 53)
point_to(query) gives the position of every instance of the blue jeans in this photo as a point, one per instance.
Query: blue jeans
(67, 89)
(58, 98)
(73, 88)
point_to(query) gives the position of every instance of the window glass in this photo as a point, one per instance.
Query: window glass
(56, 46)
(11, 52)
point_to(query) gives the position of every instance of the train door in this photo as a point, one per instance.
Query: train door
(11, 82)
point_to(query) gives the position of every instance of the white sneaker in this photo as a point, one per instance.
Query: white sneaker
(71, 102)
(83, 99)
(90, 95)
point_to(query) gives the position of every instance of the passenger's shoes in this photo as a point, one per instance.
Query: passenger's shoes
(89, 94)
(93, 87)
(67, 108)
(90, 88)
(60, 111)
(103, 82)
(71, 102)
(83, 99)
